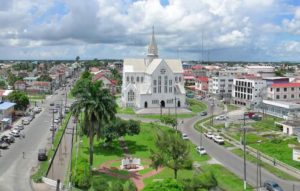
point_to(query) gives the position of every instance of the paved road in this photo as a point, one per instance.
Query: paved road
(231, 161)
(15, 171)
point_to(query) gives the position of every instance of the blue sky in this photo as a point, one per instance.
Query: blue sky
(237, 30)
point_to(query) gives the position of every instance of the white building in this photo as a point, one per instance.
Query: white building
(262, 71)
(220, 86)
(284, 92)
(152, 82)
(248, 91)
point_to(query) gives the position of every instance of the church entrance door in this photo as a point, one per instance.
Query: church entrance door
(162, 103)
(145, 104)
(178, 104)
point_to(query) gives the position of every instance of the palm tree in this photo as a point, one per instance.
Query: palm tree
(98, 107)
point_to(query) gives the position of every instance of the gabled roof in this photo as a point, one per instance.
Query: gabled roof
(19, 82)
(38, 83)
(101, 75)
(202, 79)
(6, 105)
(197, 67)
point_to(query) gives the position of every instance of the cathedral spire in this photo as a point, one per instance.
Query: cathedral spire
(152, 48)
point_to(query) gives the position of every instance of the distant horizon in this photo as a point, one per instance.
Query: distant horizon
(246, 30)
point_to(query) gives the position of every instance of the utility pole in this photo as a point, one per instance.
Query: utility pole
(176, 113)
(71, 158)
(53, 129)
(244, 143)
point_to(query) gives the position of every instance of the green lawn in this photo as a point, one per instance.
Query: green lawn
(196, 106)
(266, 124)
(226, 179)
(126, 110)
(268, 167)
(36, 97)
(158, 116)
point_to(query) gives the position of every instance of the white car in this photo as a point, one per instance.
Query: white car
(201, 150)
(56, 120)
(209, 135)
(15, 133)
(185, 136)
(221, 117)
(218, 139)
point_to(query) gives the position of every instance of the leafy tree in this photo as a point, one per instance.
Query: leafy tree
(45, 78)
(98, 107)
(203, 181)
(2, 84)
(172, 151)
(77, 58)
(169, 120)
(115, 75)
(118, 128)
(165, 185)
(20, 98)
(83, 175)
(11, 79)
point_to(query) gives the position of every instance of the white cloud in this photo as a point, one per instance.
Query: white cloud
(293, 25)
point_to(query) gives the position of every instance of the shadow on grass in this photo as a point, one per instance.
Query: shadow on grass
(133, 147)
(110, 150)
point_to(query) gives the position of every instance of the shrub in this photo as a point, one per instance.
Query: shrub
(82, 174)
(165, 185)
(100, 184)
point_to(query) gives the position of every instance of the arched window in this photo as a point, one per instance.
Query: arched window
(179, 79)
(132, 79)
(142, 79)
(137, 79)
(130, 95)
(176, 79)
(127, 79)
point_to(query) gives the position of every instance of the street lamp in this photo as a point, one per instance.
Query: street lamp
(244, 144)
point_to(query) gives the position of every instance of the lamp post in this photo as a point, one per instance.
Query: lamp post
(244, 144)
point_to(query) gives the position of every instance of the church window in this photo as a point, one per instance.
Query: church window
(130, 95)
(132, 79)
(154, 90)
(170, 89)
(137, 79)
(159, 89)
(154, 82)
(142, 79)
(166, 80)
(179, 79)
(166, 89)
(159, 84)
(170, 82)
(127, 79)
(175, 90)
(176, 79)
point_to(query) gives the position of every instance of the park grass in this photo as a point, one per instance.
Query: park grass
(226, 179)
(126, 110)
(36, 97)
(196, 106)
(158, 116)
(44, 165)
(266, 124)
(266, 166)
(106, 178)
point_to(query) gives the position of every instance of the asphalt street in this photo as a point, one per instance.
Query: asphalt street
(14, 169)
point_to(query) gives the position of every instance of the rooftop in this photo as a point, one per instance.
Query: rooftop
(6, 105)
(285, 85)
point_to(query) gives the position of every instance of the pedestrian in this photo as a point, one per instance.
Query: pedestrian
(23, 155)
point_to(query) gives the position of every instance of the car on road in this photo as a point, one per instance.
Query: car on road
(204, 113)
(51, 104)
(55, 110)
(3, 145)
(25, 122)
(218, 139)
(201, 150)
(185, 136)
(221, 117)
(53, 128)
(15, 133)
(8, 139)
(209, 135)
(56, 120)
(272, 186)
(42, 155)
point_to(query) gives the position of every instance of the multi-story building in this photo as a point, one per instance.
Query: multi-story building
(201, 85)
(221, 87)
(284, 92)
(248, 91)
(262, 71)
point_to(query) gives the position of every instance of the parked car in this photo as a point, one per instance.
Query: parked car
(201, 150)
(42, 155)
(20, 126)
(185, 136)
(3, 145)
(52, 127)
(56, 120)
(272, 186)
(218, 139)
(15, 133)
(7, 139)
(55, 110)
(204, 113)
(25, 122)
(209, 135)
(51, 104)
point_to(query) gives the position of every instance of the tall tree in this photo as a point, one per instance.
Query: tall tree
(172, 151)
(2, 84)
(98, 107)
(20, 98)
